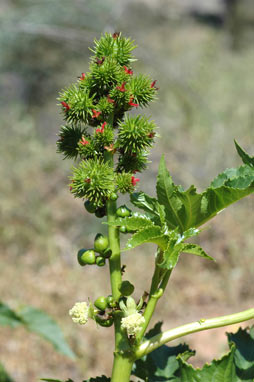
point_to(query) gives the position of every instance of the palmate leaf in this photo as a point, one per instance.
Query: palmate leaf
(186, 209)
(152, 234)
(36, 321)
(244, 355)
(135, 222)
(222, 370)
(245, 157)
(161, 364)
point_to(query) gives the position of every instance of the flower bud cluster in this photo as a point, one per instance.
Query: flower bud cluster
(97, 128)
(80, 313)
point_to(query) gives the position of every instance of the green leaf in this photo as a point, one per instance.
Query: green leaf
(167, 196)
(195, 249)
(39, 322)
(8, 317)
(151, 234)
(245, 157)
(4, 376)
(171, 255)
(133, 223)
(222, 370)
(146, 203)
(162, 363)
(244, 355)
(186, 209)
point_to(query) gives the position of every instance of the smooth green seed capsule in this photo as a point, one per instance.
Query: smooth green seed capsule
(86, 256)
(101, 303)
(123, 229)
(111, 301)
(126, 288)
(123, 211)
(104, 322)
(100, 212)
(106, 254)
(90, 207)
(113, 196)
(100, 261)
(101, 243)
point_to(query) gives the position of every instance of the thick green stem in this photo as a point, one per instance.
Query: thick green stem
(197, 326)
(115, 259)
(122, 368)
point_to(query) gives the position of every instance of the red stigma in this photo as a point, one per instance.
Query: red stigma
(84, 142)
(127, 70)
(153, 85)
(87, 180)
(134, 180)
(82, 77)
(115, 35)
(132, 103)
(100, 62)
(95, 113)
(65, 105)
(101, 130)
(122, 87)
(151, 135)
(110, 100)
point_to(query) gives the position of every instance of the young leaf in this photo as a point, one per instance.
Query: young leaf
(195, 249)
(186, 209)
(244, 355)
(245, 157)
(167, 196)
(39, 322)
(151, 234)
(133, 223)
(222, 370)
(8, 317)
(146, 203)
(171, 255)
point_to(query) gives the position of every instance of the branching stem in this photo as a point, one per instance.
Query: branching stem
(193, 327)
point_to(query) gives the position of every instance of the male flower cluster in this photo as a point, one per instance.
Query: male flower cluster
(80, 313)
(133, 323)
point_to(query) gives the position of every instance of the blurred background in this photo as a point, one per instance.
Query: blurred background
(201, 53)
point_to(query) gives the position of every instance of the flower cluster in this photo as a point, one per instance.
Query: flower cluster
(80, 313)
(97, 127)
(133, 323)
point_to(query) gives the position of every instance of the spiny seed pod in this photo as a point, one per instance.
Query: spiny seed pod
(86, 256)
(126, 288)
(94, 180)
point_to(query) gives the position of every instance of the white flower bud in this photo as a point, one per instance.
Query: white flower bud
(133, 323)
(79, 313)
